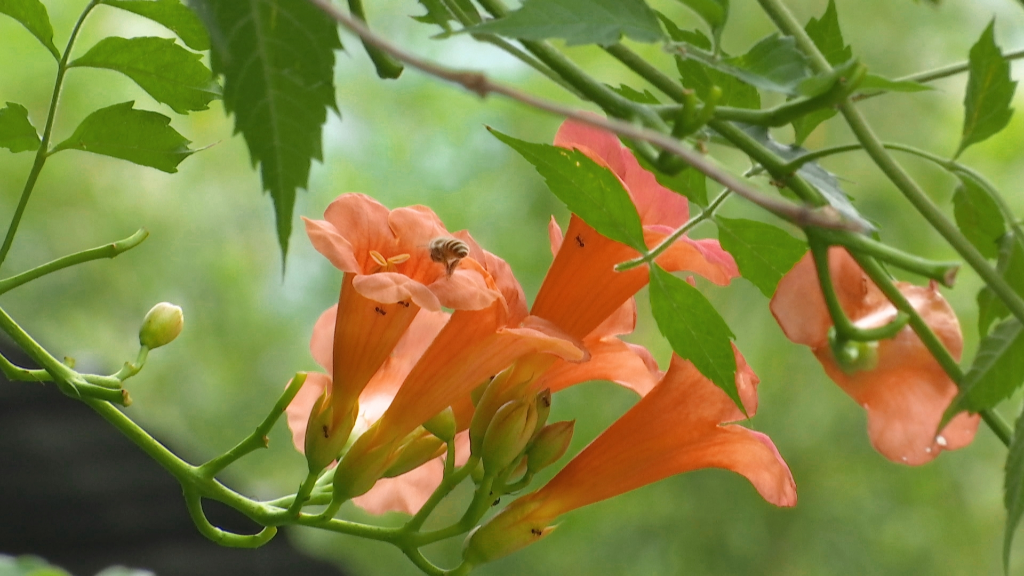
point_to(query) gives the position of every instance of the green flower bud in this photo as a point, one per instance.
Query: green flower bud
(162, 325)
(853, 356)
(543, 409)
(549, 445)
(508, 434)
(326, 435)
(415, 453)
(442, 425)
(513, 528)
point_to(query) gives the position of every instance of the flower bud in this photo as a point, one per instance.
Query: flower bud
(508, 434)
(543, 402)
(549, 445)
(510, 530)
(442, 425)
(161, 325)
(360, 469)
(420, 449)
(853, 356)
(326, 435)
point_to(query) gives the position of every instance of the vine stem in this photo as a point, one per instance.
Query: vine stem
(41, 153)
(479, 83)
(675, 235)
(788, 24)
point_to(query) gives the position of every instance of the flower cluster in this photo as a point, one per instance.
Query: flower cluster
(431, 354)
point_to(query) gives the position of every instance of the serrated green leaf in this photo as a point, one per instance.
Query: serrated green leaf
(601, 22)
(1013, 489)
(277, 60)
(978, 215)
(635, 95)
(677, 34)
(33, 16)
(774, 64)
(588, 189)
(827, 36)
(997, 371)
(764, 253)
(694, 329)
(169, 73)
(16, 132)
(437, 14)
(138, 136)
(876, 82)
(812, 172)
(989, 91)
(714, 12)
(1010, 266)
(170, 14)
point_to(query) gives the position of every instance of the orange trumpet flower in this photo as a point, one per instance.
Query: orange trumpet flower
(906, 393)
(681, 425)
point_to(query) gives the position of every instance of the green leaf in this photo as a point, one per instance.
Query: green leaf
(16, 132)
(601, 22)
(169, 73)
(828, 38)
(28, 566)
(989, 91)
(277, 60)
(171, 14)
(588, 189)
(33, 16)
(138, 136)
(694, 329)
(997, 371)
(677, 34)
(701, 78)
(1010, 266)
(714, 12)
(876, 82)
(635, 95)
(764, 253)
(978, 216)
(1013, 496)
(688, 182)
(437, 14)
(812, 172)
(774, 64)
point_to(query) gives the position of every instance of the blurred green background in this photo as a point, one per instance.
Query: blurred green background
(213, 251)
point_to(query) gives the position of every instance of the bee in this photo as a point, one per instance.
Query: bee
(448, 251)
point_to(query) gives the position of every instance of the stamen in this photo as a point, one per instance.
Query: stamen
(399, 259)
(378, 258)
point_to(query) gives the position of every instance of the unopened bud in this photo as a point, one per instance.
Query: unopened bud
(326, 435)
(543, 402)
(415, 453)
(512, 529)
(508, 434)
(161, 325)
(550, 444)
(853, 356)
(359, 470)
(442, 425)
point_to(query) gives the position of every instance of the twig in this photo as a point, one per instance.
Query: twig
(479, 84)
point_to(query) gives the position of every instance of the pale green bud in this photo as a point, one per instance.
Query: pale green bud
(550, 444)
(162, 325)
(508, 434)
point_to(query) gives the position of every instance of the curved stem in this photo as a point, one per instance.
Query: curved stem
(422, 563)
(447, 485)
(41, 153)
(675, 235)
(194, 503)
(944, 272)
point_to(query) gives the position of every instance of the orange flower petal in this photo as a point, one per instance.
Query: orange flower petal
(907, 392)
(501, 273)
(705, 257)
(363, 222)
(677, 427)
(466, 289)
(390, 287)
(611, 359)
(321, 345)
(327, 241)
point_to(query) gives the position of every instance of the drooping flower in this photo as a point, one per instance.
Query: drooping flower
(906, 392)
(389, 277)
(680, 425)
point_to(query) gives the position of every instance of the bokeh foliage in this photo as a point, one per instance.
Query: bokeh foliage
(214, 251)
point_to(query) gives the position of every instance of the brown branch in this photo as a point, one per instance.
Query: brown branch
(480, 84)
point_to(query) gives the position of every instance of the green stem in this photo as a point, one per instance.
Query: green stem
(387, 67)
(910, 189)
(194, 503)
(647, 71)
(944, 272)
(41, 153)
(258, 438)
(447, 485)
(930, 340)
(482, 499)
(422, 563)
(937, 73)
(675, 235)
(302, 496)
(111, 250)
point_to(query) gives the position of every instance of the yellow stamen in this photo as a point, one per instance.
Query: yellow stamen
(378, 258)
